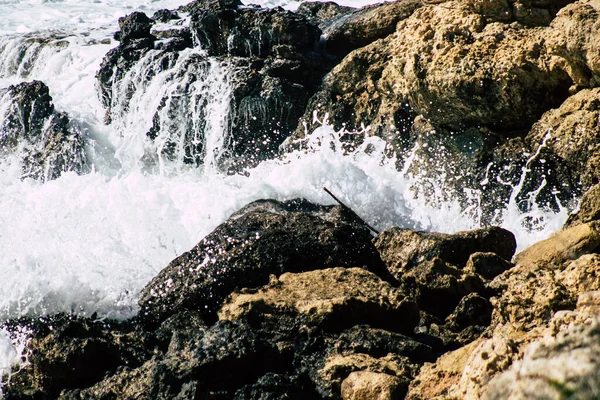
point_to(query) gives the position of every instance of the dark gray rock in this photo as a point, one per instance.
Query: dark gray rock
(270, 59)
(266, 237)
(68, 352)
(134, 26)
(45, 139)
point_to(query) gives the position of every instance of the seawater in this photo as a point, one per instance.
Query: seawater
(88, 244)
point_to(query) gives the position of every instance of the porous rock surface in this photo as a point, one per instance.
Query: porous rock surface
(327, 296)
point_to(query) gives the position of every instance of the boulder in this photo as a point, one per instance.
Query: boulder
(67, 352)
(390, 374)
(448, 64)
(487, 265)
(334, 299)
(134, 26)
(379, 343)
(440, 286)
(323, 13)
(403, 249)
(359, 28)
(264, 238)
(573, 39)
(565, 245)
(219, 359)
(44, 139)
(528, 12)
(435, 379)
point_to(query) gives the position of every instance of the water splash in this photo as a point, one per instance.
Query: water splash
(14, 355)
(172, 112)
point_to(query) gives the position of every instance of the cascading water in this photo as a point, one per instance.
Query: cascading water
(89, 243)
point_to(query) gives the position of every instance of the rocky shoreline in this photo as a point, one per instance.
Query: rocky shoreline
(299, 300)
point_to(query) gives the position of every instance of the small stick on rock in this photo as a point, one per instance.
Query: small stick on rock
(351, 210)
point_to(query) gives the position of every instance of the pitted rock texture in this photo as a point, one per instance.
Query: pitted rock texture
(332, 298)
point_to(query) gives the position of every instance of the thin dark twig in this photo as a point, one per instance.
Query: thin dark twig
(351, 210)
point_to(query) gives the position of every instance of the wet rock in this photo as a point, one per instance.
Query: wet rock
(165, 15)
(45, 140)
(134, 26)
(252, 32)
(67, 352)
(323, 12)
(266, 237)
(334, 299)
(487, 265)
(219, 359)
(276, 386)
(589, 208)
(379, 343)
(261, 68)
(403, 249)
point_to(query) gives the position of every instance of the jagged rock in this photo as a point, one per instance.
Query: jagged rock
(563, 246)
(573, 39)
(165, 15)
(379, 343)
(334, 299)
(487, 265)
(435, 379)
(266, 237)
(472, 310)
(366, 385)
(403, 249)
(440, 286)
(221, 358)
(45, 140)
(276, 386)
(252, 32)
(324, 13)
(134, 26)
(554, 368)
(589, 208)
(447, 64)
(359, 28)
(67, 352)
(265, 62)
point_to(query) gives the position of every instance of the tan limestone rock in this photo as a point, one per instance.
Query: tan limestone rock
(334, 298)
(366, 385)
(563, 246)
